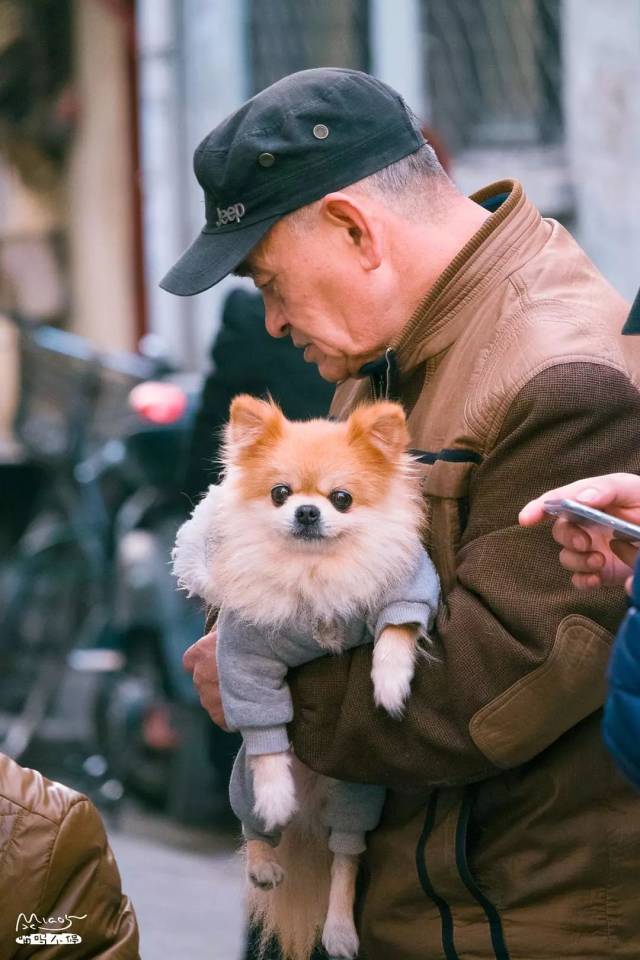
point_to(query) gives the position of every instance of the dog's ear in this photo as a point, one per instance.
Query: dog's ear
(382, 425)
(251, 419)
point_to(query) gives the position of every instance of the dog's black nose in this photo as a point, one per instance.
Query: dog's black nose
(307, 514)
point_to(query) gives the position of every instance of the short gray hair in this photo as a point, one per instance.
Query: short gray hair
(411, 184)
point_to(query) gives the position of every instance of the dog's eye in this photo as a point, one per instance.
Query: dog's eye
(341, 500)
(280, 493)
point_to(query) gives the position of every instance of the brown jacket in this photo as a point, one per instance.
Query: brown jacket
(55, 862)
(507, 833)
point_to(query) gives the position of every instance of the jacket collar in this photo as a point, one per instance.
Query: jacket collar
(508, 238)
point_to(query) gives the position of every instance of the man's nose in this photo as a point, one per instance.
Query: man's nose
(276, 324)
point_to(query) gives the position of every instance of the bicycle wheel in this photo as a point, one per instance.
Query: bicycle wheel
(45, 598)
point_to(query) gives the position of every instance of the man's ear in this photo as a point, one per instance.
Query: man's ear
(362, 229)
(381, 425)
(251, 419)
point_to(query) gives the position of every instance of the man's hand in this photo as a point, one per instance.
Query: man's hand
(591, 555)
(200, 660)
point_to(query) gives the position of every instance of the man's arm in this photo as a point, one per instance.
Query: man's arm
(83, 881)
(523, 654)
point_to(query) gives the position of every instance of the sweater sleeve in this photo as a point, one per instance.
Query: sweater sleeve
(255, 696)
(522, 653)
(413, 601)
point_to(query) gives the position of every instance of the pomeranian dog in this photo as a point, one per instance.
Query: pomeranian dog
(310, 545)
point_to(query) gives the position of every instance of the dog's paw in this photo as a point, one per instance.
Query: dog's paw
(390, 690)
(275, 804)
(392, 670)
(274, 790)
(267, 874)
(340, 940)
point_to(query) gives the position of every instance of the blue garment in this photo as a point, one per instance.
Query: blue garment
(621, 726)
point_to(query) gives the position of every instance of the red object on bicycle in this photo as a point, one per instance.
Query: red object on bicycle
(158, 402)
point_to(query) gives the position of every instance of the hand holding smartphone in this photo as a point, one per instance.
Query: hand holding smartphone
(586, 516)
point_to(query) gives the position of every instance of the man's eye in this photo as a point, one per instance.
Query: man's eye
(341, 500)
(280, 494)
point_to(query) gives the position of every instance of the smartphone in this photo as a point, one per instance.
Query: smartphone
(583, 515)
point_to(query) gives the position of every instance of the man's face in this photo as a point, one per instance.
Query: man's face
(315, 291)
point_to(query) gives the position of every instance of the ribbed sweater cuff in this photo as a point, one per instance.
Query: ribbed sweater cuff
(259, 740)
(342, 842)
(396, 614)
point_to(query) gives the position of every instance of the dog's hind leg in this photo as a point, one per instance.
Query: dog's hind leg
(339, 937)
(263, 868)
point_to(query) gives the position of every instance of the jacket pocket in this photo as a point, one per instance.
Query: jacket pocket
(446, 487)
(541, 706)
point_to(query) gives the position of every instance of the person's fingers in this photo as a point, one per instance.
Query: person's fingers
(627, 552)
(581, 562)
(213, 707)
(628, 585)
(616, 489)
(200, 660)
(619, 490)
(211, 701)
(189, 657)
(586, 581)
(571, 536)
(205, 648)
(205, 672)
(534, 512)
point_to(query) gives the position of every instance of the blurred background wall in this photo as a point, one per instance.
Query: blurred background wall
(97, 195)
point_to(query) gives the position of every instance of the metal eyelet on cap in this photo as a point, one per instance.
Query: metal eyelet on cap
(266, 159)
(321, 131)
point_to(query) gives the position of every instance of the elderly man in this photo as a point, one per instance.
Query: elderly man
(506, 833)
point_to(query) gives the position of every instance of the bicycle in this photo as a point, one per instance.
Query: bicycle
(55, 589)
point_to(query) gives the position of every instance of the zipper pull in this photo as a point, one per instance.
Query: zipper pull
(383, 376)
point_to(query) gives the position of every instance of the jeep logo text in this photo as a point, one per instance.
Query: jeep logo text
(230, 214)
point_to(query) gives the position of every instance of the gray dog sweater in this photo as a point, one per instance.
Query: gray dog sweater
(252, 667)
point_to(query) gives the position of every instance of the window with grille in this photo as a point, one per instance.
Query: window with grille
(290, 35)
(493, 70)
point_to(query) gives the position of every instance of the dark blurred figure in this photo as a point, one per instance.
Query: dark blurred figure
(246, 359)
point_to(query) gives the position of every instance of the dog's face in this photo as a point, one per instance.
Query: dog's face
(313, 483)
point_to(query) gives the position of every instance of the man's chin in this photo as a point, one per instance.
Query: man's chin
(331, 369)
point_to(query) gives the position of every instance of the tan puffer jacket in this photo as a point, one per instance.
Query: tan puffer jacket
(57, 872)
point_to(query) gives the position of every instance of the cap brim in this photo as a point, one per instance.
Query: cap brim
(632, 324)
(211, 257)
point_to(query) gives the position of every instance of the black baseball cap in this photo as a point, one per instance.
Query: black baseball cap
(308, 134)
